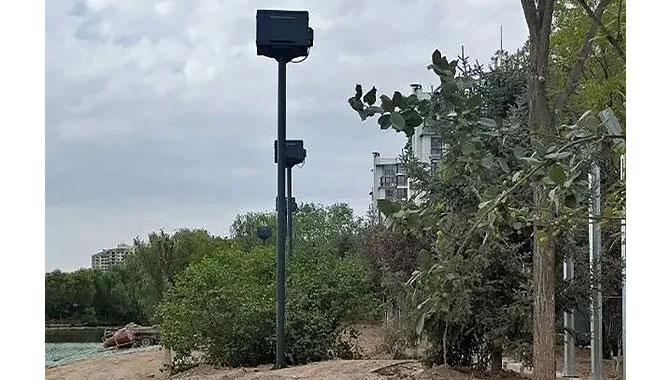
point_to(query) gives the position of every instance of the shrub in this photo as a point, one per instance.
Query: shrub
(224, 307)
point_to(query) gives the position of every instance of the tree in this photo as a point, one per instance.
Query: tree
(161, 259)
(543, 116)
(602, 83)
(477, 203)
(243, 229)
(469, 279)
(334, 228)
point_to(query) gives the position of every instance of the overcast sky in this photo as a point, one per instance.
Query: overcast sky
(159, 115)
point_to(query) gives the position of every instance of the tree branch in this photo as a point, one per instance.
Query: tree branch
(609, 36)
(574, 76)
(530, 13)
(507, 192)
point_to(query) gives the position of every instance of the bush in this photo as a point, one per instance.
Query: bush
(325, 292)
(224, 307)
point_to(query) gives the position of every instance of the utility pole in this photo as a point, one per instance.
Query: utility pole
(569, 326)
(281, 208)
(290, 212)
(294, 155)
(613, 126)
(594, 183)
(283, 36)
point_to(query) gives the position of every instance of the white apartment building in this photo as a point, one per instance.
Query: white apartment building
(390, 180)
(108, 258)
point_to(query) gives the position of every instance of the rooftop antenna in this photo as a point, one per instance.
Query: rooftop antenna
(501, 35)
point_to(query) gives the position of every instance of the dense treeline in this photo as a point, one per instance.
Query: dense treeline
(131, 292)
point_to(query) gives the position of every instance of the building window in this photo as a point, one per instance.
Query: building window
(390, 194)
(401, 180)
(436, 146)
(434, 166)
(402, 193)
(388, 181)
(401, 169)
(389, 172)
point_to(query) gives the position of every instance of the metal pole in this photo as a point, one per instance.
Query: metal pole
(614, 128)
(595, 263)
(624, 283)
(569, 327)
(290, 211)
(281, 208)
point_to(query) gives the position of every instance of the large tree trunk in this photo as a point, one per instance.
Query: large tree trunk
(544, 366)
(538, 16)
(539, 20)
(540, 123)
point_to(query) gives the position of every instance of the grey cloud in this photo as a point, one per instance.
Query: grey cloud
(160, 115)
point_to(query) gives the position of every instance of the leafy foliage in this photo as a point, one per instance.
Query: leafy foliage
(92, 297)
(224, 306)
(603, 80)
(472, 288)
(333, 228)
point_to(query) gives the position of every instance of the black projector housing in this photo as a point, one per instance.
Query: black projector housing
(283, 34)
(294, 151)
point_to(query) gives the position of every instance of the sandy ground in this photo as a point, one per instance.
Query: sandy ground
(123, 366)
(147, 364)
(376, 365)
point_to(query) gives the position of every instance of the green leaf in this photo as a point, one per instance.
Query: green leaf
(388, 207)
(488, 162)
(387, 103)
(467, 148)
(503, 165)
(398, 100)
(487, 122)
(517, 175)
(355, 103)
(436, 57)
(557, 174)
(384, 121)
(412, 118)
(370, 97)
(425, 259)
(397, 121)
(358, 91)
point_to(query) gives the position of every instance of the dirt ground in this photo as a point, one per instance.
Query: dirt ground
(584, 365)
(123, 366)
(376, 365)
(147, 365)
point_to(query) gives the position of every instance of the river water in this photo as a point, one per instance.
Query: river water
(64, 345)
(60, 353)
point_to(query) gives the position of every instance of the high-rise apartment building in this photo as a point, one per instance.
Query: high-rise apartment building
(390, 180)
(108, 258)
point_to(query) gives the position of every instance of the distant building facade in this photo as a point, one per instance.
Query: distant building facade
(390, 179)
(108, 258)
